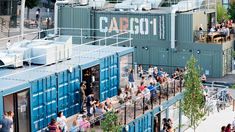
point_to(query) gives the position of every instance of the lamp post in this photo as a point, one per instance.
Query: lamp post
(22, 18)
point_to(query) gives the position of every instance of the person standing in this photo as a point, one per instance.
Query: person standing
(131, 79)
(89, 103)
(10, 116)
(61, 119)
(82, 95)
(140, 70)
(37, 14)
(5, 124)
(8, 45)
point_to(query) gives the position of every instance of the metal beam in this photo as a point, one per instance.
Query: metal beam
(22, 18)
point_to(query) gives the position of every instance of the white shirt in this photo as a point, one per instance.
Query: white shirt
(61, 121)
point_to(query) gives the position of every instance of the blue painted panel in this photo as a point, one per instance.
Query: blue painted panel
(43, 102)
(142, 124)
(68, 100)
(1, 104)
(108, 77)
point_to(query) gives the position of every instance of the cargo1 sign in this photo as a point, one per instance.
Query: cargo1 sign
(137, 26)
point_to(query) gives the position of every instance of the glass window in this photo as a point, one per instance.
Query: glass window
(126, 63)
(174, 115)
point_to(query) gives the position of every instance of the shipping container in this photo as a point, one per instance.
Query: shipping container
(38, 94)
(151, 33)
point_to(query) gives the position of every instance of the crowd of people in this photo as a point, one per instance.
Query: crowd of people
(223, 29)
(148, 83)
(228, 128)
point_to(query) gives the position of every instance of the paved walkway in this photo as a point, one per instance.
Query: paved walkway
(214, 122)
(229, 78)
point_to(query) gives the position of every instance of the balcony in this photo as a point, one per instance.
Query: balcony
(214, 37)
(135, 106)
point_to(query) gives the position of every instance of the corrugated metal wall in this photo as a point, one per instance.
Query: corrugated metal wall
(142, 124)
(108, 77)
(68, 87)
(155, 49)
(76, 17)
(49, 95)
(184, 28)
(43, 102)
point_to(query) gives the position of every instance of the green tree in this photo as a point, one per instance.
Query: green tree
(30, 4)
(221, 13)
(193, 101)
(231, 11)
(110, 123)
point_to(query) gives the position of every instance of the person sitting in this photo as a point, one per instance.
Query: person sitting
(212, 29)
(203, 78)
(142, 80)
(75, 126)
(150, 70)
(100, 110)
(223, 128)
(128, 92)
(120, 97)
(228, 128)
(146, 93)
(153, 91)
(84, 124)
(61, 119)
(141, 87)
(53, 126)
(152, 80)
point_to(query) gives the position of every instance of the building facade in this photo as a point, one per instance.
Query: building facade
(8, 11)
(152, 38)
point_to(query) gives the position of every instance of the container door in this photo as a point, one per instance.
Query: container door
(113, 71)
(104, 79)
(37, 104)
(63, 92)
(18, 103)
(23, 111)
(73, 92)
(50, 98)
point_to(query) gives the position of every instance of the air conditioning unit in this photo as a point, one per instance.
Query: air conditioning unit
(11, 59)
(44, 54)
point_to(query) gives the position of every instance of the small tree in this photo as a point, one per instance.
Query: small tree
(193, 101)
(110, 123)
(221, 13)
(231, 11)
(30, 4)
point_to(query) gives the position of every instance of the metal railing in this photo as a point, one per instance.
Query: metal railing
(103, 42)
(135, 106)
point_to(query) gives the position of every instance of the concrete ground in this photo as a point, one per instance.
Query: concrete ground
(229, 78)
(214, 122)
